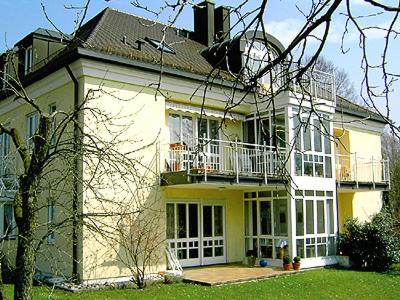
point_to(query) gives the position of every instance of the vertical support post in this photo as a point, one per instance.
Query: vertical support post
(265, 163)
(205, 157)
(237, 160)
(188, 156)
(373, 171)
(356, 169)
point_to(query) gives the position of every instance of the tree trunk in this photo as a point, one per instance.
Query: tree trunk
(25, 266)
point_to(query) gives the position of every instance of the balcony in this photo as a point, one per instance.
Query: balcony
(317, 84)
(206, 160)
(359, 171)
(8, 179)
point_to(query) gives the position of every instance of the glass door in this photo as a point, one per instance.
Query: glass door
(213, 235)
(183, 232)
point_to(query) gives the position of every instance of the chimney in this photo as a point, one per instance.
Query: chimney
(204, 31)
(222, 23)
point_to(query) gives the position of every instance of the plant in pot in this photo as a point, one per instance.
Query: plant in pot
(296, 263)
(251, 257)
(287, 260)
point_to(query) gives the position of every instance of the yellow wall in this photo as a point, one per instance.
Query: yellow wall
(360, 205)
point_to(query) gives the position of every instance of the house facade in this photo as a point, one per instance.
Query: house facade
(232, 172)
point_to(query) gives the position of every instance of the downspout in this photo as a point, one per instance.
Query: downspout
(75, 199)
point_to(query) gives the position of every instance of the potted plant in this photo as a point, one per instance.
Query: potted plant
(287, 260)
(251, 257)
(296, 263)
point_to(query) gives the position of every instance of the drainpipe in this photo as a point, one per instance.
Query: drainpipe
(75, 200)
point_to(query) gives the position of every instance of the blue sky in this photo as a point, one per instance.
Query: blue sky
(282, 19)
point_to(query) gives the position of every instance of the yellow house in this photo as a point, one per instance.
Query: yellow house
(229, 173)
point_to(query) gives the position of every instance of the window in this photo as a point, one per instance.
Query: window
(313, 155)
(9, 225)
(257, 56)
(4, 144)
(28, 60)
(266, 223)
(50, 221)
(31, 126)
(180, 129)
(315, 212)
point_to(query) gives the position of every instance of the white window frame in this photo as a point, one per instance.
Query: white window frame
(28, 60)
(53, 136)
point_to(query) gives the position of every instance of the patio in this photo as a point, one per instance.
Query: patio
(230, 273)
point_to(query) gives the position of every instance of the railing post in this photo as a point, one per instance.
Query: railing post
(265, 163)
(373, 171)
(356, 169)
(338, 167)
(205, 157)
(237, 159)
(188, 156)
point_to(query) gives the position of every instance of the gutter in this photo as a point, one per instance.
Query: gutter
(75, 187)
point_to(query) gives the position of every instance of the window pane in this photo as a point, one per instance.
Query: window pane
(187, 130)
(202, 128)
(328, 167)
(174, 128)
(317, 136)
(247, 218)
(254, 217)
(214, 125)
(207, 221)
(266, 248)
(181, 210)
(300, 248)
(299, 217)
(249, 132)
(327, 140)
(265, 217)
(280, 217)
(170, 221)
(218, 221)
(193, 221)
(297, 132)
(329, 215)
(263, 132)
(320, 217)
(299, 164)
(307, 138)
(309, 217)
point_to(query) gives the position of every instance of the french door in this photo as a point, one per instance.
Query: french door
(196, 233)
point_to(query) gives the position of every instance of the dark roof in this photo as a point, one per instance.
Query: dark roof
(350, 108)
(47, 34)
(105, 33)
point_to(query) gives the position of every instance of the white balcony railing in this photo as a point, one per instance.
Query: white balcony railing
(358, 169)
(226, 157)
(317, 84)
(8, 179)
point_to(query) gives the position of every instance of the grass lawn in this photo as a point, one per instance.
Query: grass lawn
(316, 284)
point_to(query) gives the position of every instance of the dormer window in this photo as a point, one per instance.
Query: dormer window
(258, 55)
(28, 60)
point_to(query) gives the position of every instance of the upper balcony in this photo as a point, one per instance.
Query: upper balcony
(211, 160)
(317, 84)
(8, 179)
(356, 172)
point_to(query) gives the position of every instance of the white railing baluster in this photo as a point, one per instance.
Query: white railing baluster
(237, 160)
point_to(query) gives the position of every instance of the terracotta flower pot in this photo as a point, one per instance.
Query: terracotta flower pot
(296, 266)
(286, 267)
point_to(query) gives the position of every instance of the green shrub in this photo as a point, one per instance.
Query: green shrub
(287, 259)
(297, 259)
(371, 245)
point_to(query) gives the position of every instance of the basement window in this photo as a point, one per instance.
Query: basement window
(160, 45)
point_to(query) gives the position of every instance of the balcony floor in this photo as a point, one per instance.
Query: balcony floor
(182, 177)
